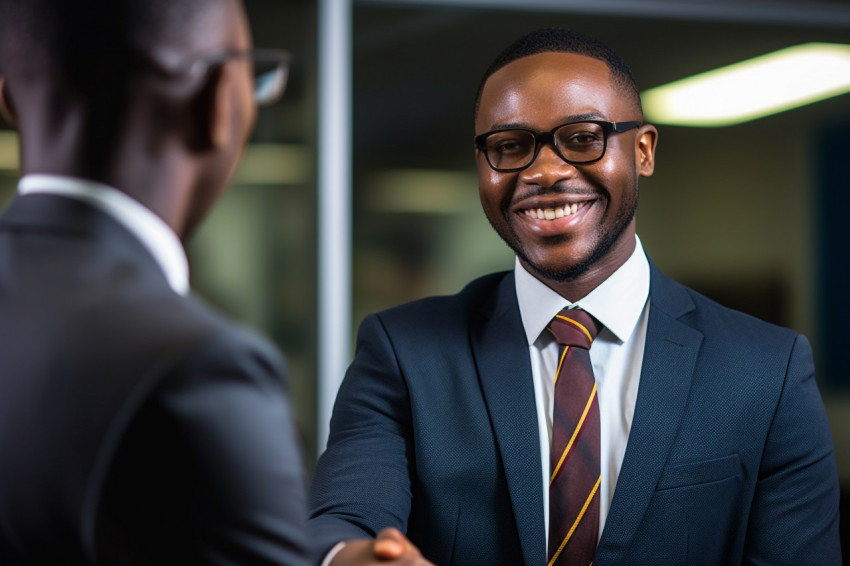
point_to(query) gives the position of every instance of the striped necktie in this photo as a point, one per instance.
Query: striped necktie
(575, 467)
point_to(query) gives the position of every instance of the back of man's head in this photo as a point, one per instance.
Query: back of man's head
(106, 90)
(93, 37)
(90, 52)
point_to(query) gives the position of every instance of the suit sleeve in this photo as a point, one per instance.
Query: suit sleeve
(210, 472)
(363, 480)
(794, 518)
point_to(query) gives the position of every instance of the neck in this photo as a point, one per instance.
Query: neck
(582, 284)
(154, 172)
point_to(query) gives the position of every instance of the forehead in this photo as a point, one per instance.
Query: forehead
(547, 89)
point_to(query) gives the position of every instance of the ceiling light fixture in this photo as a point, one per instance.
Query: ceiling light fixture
(754, 88)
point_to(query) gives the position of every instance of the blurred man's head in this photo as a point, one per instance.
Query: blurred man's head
(152, 96)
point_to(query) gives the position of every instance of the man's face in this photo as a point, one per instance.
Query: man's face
(596, 233)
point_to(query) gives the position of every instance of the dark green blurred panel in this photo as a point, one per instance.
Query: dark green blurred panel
(832, 160)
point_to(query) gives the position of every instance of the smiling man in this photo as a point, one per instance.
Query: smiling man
(583, 407)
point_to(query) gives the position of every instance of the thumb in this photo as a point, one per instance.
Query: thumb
(390, 544)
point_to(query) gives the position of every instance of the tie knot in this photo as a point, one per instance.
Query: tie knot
(574, 327)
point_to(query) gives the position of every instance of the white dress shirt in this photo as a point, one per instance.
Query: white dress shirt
(621, 304)
(157, 236)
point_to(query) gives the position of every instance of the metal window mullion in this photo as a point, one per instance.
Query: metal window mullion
(334, 205)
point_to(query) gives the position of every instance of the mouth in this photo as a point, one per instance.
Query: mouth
(553, 212)
(554, 218)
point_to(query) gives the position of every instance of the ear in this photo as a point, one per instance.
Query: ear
(213, 109)
(645, 142)
(6, 108)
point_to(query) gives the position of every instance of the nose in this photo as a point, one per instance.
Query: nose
(547, 168)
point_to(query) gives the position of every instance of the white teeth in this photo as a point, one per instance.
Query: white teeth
(552, 213)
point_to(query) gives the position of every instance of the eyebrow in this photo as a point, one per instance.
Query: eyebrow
(565, 120)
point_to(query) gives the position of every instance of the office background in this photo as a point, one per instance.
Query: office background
(753, 215)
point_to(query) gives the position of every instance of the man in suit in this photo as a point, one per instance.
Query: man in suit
(137, 426)
(713, 446)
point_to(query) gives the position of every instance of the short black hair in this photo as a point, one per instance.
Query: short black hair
(94, 34)
(560, 40)
(91, 53)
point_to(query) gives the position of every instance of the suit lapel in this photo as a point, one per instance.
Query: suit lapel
(668, 364)
(504, 370)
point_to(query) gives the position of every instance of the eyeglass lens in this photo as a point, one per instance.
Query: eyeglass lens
(269, 82)
(579, 142)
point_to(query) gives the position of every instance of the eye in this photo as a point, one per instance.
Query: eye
(510, 143)
(581, 138)
(507, 146)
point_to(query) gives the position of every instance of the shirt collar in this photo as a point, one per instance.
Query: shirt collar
(617, 303)
(150, 229)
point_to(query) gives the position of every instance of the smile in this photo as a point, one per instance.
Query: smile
(553, 213)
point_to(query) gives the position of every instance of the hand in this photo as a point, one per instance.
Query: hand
(390, 547)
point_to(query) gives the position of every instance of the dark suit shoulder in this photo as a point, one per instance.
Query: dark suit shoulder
(739, 326)
(157, 324)
(711, 317)
(215, 438)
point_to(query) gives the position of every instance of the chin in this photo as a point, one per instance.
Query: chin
(559, 273)
(566, 263)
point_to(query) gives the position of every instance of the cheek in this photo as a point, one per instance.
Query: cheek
(495, 195)
(615, 175)
(495, 189)
(613, 166)
(488, 184)
(485, 172)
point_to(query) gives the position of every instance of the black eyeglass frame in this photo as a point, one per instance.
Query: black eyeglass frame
(549, 137)
(280, 60)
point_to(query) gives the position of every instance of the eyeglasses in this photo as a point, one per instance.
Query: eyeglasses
(575, 142)
(270, 67)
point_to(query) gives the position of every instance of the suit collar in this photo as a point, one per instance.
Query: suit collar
(670, 355)
(667, 295)
(618, 302)
(76, 220)
(159, 239)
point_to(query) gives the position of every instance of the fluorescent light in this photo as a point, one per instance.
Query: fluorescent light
(754, 88)
(9, 151)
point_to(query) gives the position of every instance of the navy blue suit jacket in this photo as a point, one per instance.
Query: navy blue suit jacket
(729, 461)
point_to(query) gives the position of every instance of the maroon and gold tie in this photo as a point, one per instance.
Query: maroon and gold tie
(575, 479)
